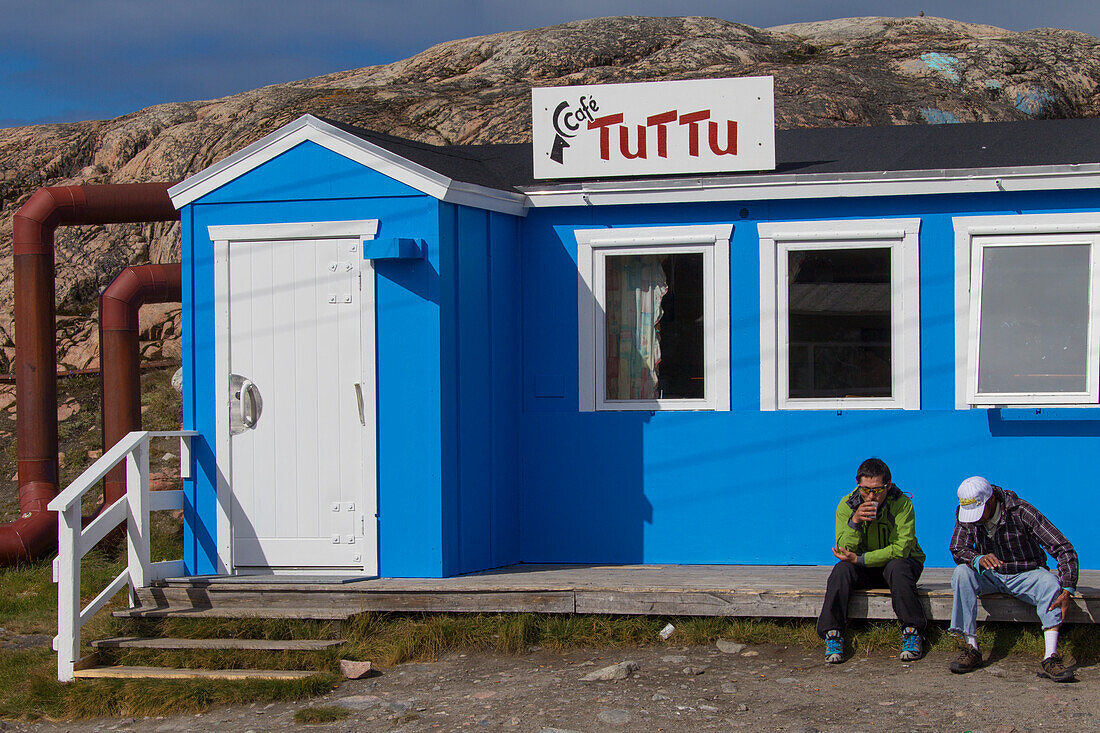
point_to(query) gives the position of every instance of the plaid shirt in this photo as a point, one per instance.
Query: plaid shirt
(1021, 540)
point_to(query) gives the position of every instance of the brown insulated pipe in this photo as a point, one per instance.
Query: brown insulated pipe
(119, 358)
(35, 532)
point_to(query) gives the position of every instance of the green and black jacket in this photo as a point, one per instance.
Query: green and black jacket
(890, 535)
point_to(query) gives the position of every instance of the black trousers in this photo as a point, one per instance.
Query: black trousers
(899, 575)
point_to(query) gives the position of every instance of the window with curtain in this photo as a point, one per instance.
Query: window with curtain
(653, 318)
(654, 326)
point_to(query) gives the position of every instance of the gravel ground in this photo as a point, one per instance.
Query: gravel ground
(759, 688)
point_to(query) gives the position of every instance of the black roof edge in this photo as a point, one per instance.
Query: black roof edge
(955, 146)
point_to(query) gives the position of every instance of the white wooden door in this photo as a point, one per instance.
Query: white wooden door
(301, 418)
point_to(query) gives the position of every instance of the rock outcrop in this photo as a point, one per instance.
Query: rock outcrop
(859, 71)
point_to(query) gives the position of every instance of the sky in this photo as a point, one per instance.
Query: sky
(69, 60)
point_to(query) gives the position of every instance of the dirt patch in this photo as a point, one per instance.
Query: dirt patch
(12, 640)
(675, 688)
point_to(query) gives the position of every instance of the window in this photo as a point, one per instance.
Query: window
(653, 318)
(1026, 310)
(839, 315)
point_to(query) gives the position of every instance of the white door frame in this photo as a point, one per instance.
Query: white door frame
(222, 237)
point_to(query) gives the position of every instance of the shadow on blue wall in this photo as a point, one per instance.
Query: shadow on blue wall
(1038, 422)
(418, 276)
(602, 514)
(199, 536)
(601, 511)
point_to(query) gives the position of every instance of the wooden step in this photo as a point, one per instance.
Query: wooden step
(208, 599)
(164, 673)
(233, 610)
(138, 642)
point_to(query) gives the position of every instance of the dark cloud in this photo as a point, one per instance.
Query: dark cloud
(60, 60)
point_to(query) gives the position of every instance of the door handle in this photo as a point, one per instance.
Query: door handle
(359, 403)
(248, 404)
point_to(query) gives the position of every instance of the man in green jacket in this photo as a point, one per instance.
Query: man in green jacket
(876, 544)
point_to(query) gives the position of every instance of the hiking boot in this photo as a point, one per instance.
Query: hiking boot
(969, 659)
(834, 647)
(1055, 669)
(912, 646)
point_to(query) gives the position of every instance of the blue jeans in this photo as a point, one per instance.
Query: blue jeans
(1037, 587)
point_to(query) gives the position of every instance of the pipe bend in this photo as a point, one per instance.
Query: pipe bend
(29, 537)
(33, 225)
(134, 287)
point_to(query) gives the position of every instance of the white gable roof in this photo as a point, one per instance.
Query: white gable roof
(341, 142)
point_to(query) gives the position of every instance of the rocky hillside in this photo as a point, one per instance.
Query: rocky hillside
(860, 71)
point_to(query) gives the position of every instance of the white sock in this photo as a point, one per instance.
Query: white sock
(972, 640)
(1050, 638)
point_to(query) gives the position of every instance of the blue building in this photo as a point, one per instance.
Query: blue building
(417, 361)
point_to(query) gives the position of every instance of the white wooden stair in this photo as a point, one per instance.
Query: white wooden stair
(89, 667)
(165, 673)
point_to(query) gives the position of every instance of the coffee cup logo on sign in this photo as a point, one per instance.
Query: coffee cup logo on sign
(568, 120)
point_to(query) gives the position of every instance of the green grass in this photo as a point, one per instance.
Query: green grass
(320, 714)
(390, 639)
(43, 696)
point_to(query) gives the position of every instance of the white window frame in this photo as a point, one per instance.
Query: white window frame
(593, 246)
(777, 240)
(972, 234)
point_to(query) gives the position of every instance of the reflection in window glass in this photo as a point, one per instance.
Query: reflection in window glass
(654, 326)
(839, 328)
(1034, 319)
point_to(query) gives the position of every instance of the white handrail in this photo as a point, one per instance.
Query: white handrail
(73, 542)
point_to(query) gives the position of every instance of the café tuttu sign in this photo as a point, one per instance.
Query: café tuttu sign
(654, 128)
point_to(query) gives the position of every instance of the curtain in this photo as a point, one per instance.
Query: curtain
(636, 285)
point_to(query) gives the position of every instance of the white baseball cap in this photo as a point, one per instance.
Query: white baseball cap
(974, 492)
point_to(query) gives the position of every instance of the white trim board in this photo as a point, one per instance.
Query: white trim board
(713, 240)
(361, 228)
(902, 236)
(309, 128)
(815, 185)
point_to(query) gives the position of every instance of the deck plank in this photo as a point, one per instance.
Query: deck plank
(165, 673)
(769, 591)
(136, 642)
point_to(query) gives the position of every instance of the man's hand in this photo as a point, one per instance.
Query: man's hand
(990, 562)
(1062, 602)
(865, 512)
(845, 555)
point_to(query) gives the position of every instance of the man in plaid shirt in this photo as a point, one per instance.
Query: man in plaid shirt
(1001, 544)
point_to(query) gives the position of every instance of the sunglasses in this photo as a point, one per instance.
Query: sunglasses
(875, 490)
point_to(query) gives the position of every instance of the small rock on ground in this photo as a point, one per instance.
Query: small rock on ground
(729, 647)
(615, 717)
(355, 670)
(619, 671)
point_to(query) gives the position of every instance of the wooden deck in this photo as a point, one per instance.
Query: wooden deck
(664, 590)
